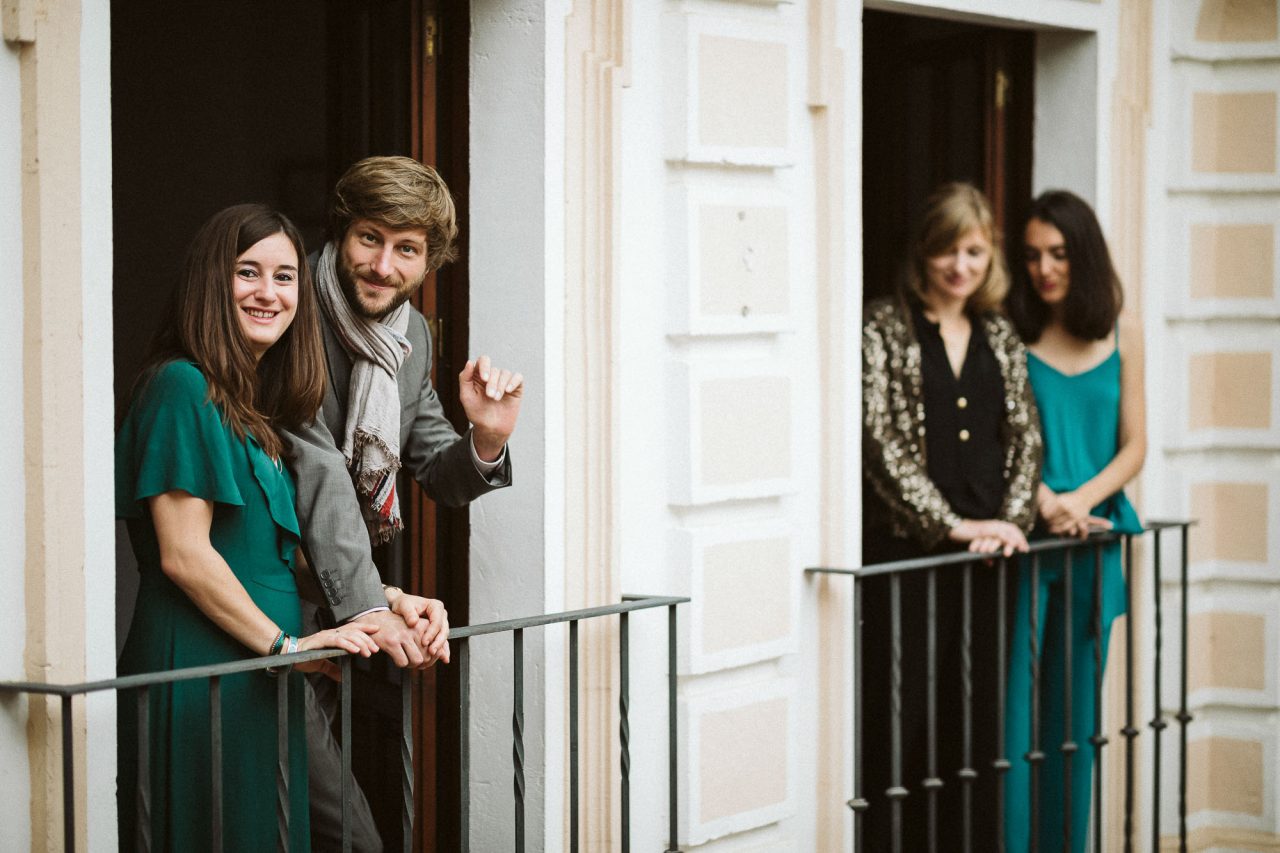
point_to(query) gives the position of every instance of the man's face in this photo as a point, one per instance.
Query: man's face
(381, 267)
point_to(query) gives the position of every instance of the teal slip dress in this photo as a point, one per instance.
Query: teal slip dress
(1080, 420)
(174, 438)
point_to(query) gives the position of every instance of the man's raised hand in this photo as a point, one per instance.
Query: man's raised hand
(491, 399)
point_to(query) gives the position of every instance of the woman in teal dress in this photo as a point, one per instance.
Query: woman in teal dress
(1087, 378)
(209, 508)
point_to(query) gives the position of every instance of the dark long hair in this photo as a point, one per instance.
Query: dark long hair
(1094, 296)
(285, 387)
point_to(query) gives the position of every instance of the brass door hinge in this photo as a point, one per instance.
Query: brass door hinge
(435, 325)
(1002, 88)
(431, 37)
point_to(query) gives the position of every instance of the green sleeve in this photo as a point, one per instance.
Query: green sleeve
(173, 438)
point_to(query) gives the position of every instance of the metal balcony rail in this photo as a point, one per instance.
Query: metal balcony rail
(461, 639)
(1035, 755)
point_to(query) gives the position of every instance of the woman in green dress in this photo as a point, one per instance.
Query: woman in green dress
(1085, 366)
(210, 512)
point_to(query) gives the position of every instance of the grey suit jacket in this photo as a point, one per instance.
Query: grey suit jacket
(333, 532)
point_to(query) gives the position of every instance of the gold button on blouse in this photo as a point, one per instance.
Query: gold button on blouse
(962, 403)
(964, 435)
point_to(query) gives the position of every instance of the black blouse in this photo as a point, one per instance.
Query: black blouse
(962, 421)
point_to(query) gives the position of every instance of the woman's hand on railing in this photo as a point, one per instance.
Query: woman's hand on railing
(353, 637)
(1067, 514)
(989, 536)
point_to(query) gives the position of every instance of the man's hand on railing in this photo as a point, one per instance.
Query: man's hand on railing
(428, 619)
(353, 637)
(989, 536)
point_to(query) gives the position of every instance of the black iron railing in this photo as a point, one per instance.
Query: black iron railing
(461, 639)
(1000, 763)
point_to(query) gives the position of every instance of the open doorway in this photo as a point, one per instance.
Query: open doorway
(941, 101)
(215, 104)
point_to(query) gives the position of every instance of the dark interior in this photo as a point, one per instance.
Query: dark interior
(941, 101)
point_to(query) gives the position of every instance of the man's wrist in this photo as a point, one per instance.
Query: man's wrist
(363, 613)
(482, 450)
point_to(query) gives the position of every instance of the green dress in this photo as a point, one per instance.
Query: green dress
(1080, 419)
(174, 438)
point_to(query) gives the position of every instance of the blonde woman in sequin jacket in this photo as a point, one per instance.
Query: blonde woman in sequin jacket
(951, 461)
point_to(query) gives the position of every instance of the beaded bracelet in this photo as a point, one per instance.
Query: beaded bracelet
(277, 643)
(285, 645)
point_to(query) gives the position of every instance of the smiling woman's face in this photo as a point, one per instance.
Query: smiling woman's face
(957, 273)
(264, 287)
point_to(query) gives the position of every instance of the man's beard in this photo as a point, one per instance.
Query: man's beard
(348, 277)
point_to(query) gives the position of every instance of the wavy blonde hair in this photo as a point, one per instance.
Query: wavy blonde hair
(398, 192)
(952, 211)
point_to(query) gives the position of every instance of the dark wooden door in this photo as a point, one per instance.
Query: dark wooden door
(942, 101)
(402, 75)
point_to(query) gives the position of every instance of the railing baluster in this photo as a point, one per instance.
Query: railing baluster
(68, 780)
(859, 803)
(673, 779)
(967, 773)
(1129, 731)
(464, 745)
(931, 782)
(1001, 762)
(1034, 756)
(573, 736)
(1068, 658)
(1157, 722)
(896, 792)
(406, 760)
(1184, 718)
(282, 763)
(344, 704)
(517, 733)
(624, 727)
(142, 832)
(215, 762)
(1098, 739)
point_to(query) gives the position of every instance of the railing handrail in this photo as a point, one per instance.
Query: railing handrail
(960, 557)
(126, 682)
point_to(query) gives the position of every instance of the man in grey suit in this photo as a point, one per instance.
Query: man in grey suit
(391, 221)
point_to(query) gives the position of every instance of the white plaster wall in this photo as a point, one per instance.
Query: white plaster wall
(512, 282)
(15, 817)
(99, 474)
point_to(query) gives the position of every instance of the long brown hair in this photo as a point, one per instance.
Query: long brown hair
(257, 397)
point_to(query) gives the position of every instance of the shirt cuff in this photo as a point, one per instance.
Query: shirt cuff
(486, 469)
(366, 613)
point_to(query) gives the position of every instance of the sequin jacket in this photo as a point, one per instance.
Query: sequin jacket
(898, 493)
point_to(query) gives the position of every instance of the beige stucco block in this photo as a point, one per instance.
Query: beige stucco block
(1230, 390)
(746, 593)
(1233, 131)
(742, 260)
(1236, 20)
(1224, 774)
(1233, 261)
(743, 759)
(746, 429)
(742, 92)
(1233, 521)
(1227, 650)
